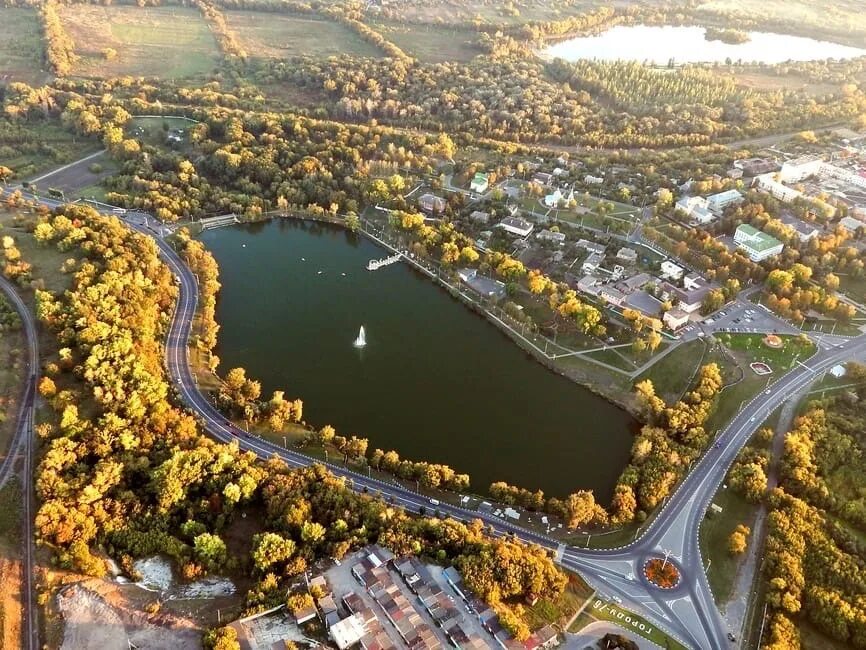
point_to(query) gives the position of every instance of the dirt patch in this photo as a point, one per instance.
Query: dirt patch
(10, 604)
(97, 615)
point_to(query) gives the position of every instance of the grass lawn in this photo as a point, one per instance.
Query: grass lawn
(20, 46)
(672, 373)
(855, 288)
(10, 514)
(752, 348)
(276, 36)
(715, 530)
(812, 639)
(602, 610)
(170, 41)
(559, 611)
(12, 352)
(38, 147)
(618, 358)
(432, 43)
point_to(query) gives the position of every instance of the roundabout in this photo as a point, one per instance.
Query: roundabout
(662, 573)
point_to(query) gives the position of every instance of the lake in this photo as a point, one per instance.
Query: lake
(436, 382)
(658, 45)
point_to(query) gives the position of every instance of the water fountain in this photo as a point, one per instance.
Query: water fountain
(361, 341)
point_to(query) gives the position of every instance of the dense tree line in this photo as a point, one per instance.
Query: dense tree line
(815, 566)
(672, 439)
(59, 48)
(225, 38)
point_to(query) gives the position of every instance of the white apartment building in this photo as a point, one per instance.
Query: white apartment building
(716, 203)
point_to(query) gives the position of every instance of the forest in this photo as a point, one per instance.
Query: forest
(814, 568)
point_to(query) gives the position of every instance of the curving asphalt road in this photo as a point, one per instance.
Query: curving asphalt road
(22, 445)
(687, 612)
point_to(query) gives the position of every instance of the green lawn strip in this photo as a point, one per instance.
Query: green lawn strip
(606, 611)
(21, 50)
(10, 513)
(715, 530)
(672, 373)
(432, 43)
(614, 358)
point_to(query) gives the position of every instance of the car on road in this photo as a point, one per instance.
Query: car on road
(434, 502)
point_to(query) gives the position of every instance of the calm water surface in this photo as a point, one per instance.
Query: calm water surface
(687, 45)
(435, 381)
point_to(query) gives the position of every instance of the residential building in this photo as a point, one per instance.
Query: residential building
(688, 300)
(479, 217)
(777, 190)
(716, 203)
(627, 255)
(549, 235)
(516, 226)
(542, 178)
(634, 283)
(348, 632)
(479, 183)
(692, 281)
(756, 166)
(756, 244)
(671, 271)
(591, 246)
(696, 209)
(674, 319)
(591, 263)
(431, 203)
(644, 303)
(850, 176)
(801, 168)
(612, 295)
(851, 224)
(588, 284)
(735, 173)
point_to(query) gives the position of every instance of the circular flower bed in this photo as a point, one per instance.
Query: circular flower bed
(773, 341)
(661, 573)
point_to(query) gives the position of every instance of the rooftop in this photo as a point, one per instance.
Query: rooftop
(758, 240)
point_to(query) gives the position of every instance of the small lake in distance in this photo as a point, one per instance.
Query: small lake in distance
(658, 45)
(435, 381)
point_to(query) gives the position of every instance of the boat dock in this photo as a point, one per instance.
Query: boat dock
(373, 265)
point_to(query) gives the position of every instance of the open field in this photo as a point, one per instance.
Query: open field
(276, 36)
(79, 178)
(20, 46)
(430, 43)
(29, 149)
(451, 13)
(671, 374)
(842, 18)
(170, 41)
(715, 530)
